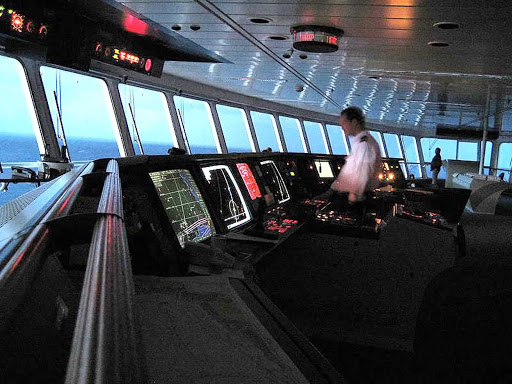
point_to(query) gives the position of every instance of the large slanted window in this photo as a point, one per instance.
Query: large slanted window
(338, 140)
(448, 152)
(266, 131)
(378, 138)
(412, 156)
(20, 138)
(82, 114)
(292, 133)
(226, 195)
(393, 145)
(148, 117)
(235, 128)
(316, 137)
(197, 123)
(505, 160)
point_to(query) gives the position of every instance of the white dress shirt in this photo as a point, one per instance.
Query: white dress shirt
(359, 174)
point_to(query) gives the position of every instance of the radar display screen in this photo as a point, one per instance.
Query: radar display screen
(274, 181)
(249, 180)
(324, 169)
(226, 195)
(183, 204)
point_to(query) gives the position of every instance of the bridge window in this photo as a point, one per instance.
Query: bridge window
(316, 137)
(378, 138)
(393, 145)
(448, 152)
(487, 159)
(266, 131)
(20, 137)
(82, 114)
(148, 117)
(412, 156)
(467, 150)
(235, 129)
(338, 140)
(292, 133)
(505, 160)
(198, 127)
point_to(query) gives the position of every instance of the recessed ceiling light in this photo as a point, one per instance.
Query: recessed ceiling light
(446, 25)
(195, 27)
(176, 27)
(438, 44)
(278, 37)
(260, 20)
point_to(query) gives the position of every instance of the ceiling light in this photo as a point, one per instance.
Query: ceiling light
(260, 20)
(315, 38)
(195, 27)
(278, 37)
(446, 25)
(438, 44)
(176, 27)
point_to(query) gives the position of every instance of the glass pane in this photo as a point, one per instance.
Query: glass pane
(20, 138)
(378, 138)
(467, 151)
(234, 125)
(316, 137)
(183, 205)
(414, 169)
(148, 111)
(292, 134)
(488, 153)
(393, 145)
(200, 135)
(266, 131)
(410, 148)
(448, 148)
(337, 139)
(87, 114)
(226, 195)
(505, 156)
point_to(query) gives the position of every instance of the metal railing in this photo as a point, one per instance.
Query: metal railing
(104, 348)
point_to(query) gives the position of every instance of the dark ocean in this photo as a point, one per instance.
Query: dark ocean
(23, 151)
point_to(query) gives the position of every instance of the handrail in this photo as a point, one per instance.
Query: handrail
(104, 348)
(24, 263)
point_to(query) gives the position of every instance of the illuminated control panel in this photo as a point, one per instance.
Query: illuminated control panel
(17, 24)
(409, 212)
(280, 226)
(128, 59)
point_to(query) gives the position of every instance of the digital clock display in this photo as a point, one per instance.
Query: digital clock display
(123, 58)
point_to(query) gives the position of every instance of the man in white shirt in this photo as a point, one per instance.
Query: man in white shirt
(359, 174)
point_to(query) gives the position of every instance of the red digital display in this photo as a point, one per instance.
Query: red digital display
(123, 58)
(316, 36)
(249, 180)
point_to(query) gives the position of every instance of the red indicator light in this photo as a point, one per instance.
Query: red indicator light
(43, 31)
(333, 40)
(148, 65)
(132, 24)
(17, 21)
(30, 27)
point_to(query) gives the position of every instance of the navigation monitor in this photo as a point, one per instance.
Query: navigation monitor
(274, 181)
(324, 169)
(249, 180)
(226, 195)
(183, 204)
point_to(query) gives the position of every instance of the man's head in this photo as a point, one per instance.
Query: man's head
(438, 151)
(352, 121)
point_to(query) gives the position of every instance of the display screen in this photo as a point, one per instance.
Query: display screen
(274, 181)
(249, 180)
(323, 167)
(183, 204)
(226, 195)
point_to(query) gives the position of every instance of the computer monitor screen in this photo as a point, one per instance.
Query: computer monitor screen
(183, 204)
(249, 180)
(323, 167)
(226, 195)
(274, 181)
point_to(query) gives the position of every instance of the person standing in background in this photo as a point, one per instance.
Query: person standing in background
(435, 166)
